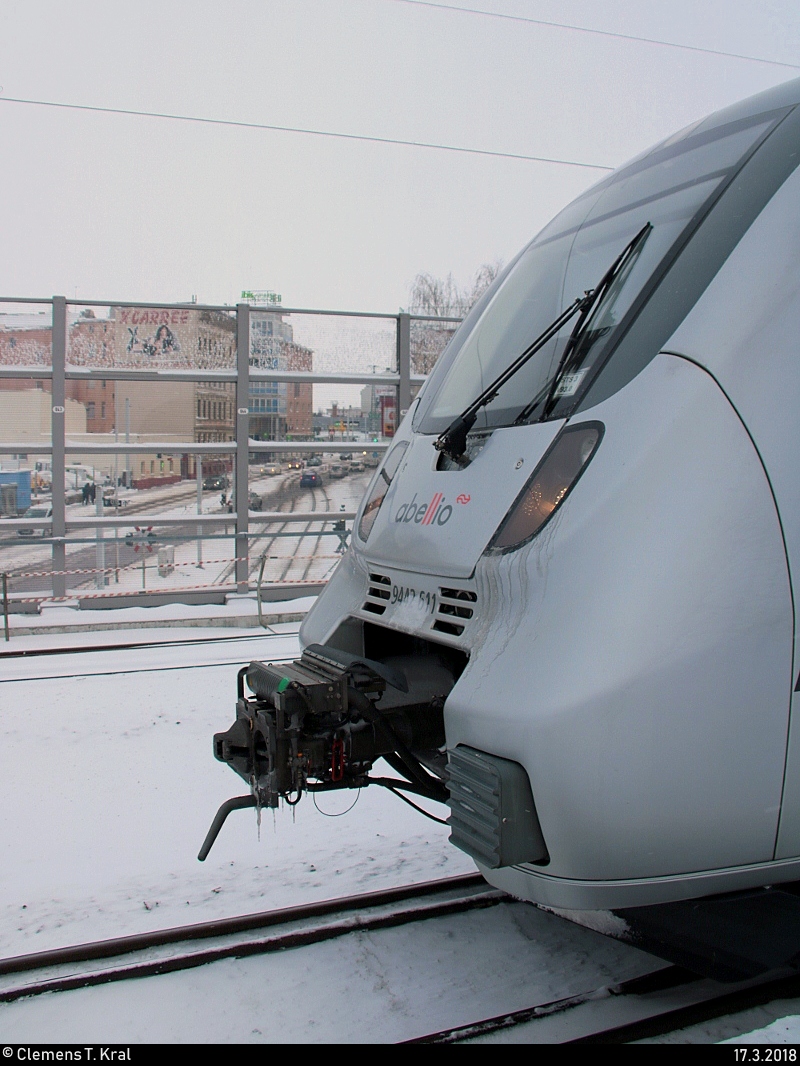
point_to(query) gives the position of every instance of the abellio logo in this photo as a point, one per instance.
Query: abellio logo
(435, 513)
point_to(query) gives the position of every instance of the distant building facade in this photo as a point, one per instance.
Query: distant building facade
(278, 410)
(153, 338)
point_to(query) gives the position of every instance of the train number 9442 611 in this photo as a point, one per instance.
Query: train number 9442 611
(403, 594)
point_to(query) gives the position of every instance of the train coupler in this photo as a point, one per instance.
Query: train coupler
(317, 725)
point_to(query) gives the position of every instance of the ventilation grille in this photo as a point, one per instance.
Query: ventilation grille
(492, 814)
(454, 610)
(474, 807)
(378, 593)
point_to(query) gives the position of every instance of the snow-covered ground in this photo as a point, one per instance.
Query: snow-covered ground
(108, 785)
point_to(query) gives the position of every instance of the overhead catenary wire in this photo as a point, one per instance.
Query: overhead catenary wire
(307, 131)
(600, 33)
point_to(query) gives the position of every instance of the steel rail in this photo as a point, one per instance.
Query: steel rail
(347, 908)
(171, 668)
(287, 490)
(30, 653)
(293, 559)
(668, 999)
(751, 994)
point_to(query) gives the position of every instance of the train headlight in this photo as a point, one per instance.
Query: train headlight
(549, 485)
(380, 488)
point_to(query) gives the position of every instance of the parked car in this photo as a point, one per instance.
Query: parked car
(310, 479)
(110, 498)
(37, 511)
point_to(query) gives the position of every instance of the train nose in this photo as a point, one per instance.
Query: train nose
(440, 522)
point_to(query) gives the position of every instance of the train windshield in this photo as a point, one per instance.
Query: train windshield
(668, 188)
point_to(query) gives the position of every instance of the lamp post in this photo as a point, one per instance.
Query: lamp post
(127, 441)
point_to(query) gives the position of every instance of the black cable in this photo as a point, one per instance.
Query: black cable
(395, 787)
(420, 810)
(599, 33)
(299, 129)
(341, 813)
(413, 767)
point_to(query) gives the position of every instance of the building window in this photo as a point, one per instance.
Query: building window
(89, 410)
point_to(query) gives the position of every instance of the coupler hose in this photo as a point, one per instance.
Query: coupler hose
(411, 766)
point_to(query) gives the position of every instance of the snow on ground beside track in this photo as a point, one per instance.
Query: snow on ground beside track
(376, 987)
(769, 1023)
(782, 1031)
(109, 786)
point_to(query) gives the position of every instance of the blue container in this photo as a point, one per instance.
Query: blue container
(22, 479)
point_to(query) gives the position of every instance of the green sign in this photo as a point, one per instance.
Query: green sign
(261, 296)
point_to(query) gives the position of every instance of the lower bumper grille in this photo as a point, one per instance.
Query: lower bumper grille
(492, 814)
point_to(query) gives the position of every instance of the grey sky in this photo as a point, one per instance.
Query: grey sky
(110, 206)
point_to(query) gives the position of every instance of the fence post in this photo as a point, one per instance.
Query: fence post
(403, 365)
(241, 483)
(57, 427)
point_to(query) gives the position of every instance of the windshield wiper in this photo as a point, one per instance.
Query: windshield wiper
(573, 353)
(453, 441)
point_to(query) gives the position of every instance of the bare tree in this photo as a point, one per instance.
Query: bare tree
(442, 298)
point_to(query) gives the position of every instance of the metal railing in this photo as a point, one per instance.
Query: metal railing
(247, 532)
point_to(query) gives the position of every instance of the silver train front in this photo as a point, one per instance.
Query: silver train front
(636, 656)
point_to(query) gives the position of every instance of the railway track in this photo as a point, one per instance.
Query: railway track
(293, 559)
(187, 947)
(644, 1008)
(84, 556)
(666, 999)
(259, 546)
(238, 648)
(83, 649)
(658, 1002)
